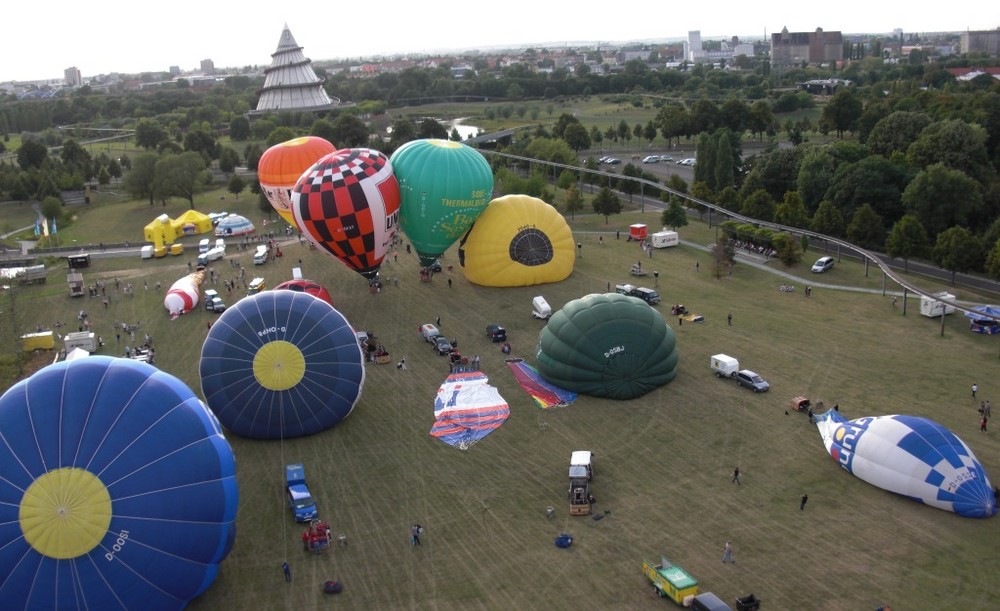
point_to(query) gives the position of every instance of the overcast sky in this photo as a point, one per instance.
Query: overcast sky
(41, 39)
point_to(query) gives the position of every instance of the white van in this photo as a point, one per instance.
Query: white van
(220, 243)
(212, 255)
(724, 366)
(204, 245)
(146, 252)
(260, 255)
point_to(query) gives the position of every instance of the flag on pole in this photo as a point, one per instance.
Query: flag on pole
(38, 228)
(45, 227)
(53, 226)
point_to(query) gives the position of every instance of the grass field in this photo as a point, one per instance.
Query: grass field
(663, 461)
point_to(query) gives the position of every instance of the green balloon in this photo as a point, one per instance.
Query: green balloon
(607, 345)
(443, 186)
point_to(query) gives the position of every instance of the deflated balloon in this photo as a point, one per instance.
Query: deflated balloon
(306, 286)
(607, 345)
(915, 457)
(347, 204)
(281, 364)
(444, 186)
(118, 489)
(280, 167)
(518, 240)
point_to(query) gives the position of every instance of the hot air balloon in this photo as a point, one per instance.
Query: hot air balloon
(306, 286)
(118, 489)
(518, 240)
(467, 408)
(607, 345)
(444, 186)
(915, 457)
(281, 166)
(347, 204)
(281, 364)
(183, 295)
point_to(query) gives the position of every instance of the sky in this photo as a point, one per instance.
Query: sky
(41, 39)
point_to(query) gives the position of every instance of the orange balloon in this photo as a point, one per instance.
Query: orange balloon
(281, 165)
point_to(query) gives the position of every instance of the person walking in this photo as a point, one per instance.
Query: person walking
(982, 424)
(415, 531)
(802, 503)
(987, 409)
(975, 389)
(736, 476)
(437, 322)
(288, 571)
(727, 553)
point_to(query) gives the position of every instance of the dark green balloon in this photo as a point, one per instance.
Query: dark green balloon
(608, 345)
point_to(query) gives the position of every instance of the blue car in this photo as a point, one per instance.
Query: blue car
(300, 501)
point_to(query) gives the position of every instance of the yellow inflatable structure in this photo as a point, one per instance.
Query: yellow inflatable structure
(518, 240)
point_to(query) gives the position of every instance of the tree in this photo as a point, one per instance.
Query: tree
(896, 132)
(149, 134)
(565, 120)
(321, 128)
(140, 181)
(607, 203)
(725, 165)
(841, 113)
(993, 261)
(907, 238)
(279, 135)
(228, 159)
(237, 185)
(567, 178)
(202, 141)
(957, 250)
(32, 154)
(955, 144)
(789, 249)
(942, 197)
(576, 137)
(252, 153)
(115, 169)
(103, 176)
(827, 220)
(674, 215)
(873, 180)
(866, 228)
(723, 254)
(403, 131)
(758, 206)
(431, 128)
(180, 175)
(239, 128)
(792, 211)
(814, 177)
(760, 119)
(574, 200)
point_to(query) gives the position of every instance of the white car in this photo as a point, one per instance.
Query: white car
(667, 158)
(651, 159)
(822, 264)
(688, 161)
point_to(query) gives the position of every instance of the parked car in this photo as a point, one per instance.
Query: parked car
(651, 159)
(822, 264)
(300, 500)
(214, 303)
(751, 380)
(612, 161)
(689, 161)
(441, 345)
(603, 159)
(666, 158)
(436, 266)
(496, 333)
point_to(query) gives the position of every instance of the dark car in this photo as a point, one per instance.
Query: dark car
(435, 267)
(442, 346)
(751, 380)
(496, 333)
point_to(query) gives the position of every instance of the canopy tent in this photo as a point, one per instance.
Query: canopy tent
(234, 224)
(985, 319)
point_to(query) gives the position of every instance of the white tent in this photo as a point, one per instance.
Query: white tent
(76, 353)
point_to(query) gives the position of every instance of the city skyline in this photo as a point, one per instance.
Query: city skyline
(114, 39)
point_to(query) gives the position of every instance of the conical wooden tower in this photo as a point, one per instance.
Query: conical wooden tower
(290, 83)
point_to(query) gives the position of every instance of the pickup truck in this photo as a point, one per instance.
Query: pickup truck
(300, 500)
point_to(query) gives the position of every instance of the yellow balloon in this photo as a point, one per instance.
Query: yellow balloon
(518, 240)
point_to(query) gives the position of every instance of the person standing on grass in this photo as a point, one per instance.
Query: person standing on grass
(415, 531)
(288, 571)
(727, 553)
(736, 476)
(802, 503)
(975, 389)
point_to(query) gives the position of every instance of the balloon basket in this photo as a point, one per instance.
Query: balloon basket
(383, 359)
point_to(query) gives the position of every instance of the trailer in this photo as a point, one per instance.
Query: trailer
(670, 581)
(932, 306)
(724, 366)
(83, 339)
(75, 282)
(637, 232)
(33, 274)
(664, 239)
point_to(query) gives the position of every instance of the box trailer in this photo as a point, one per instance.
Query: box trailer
(724, 366)
(665, 239)
(637, 232)
(84, 339)
(933, 307)
(540, 308)
(75, 282)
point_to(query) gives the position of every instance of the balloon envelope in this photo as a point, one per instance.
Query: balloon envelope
(444, 186)
(912, 456)
(347, 204)
(306, 286)
(281, 364)
(118, 489)
(607, 345)
(280, 167)
(518, 240)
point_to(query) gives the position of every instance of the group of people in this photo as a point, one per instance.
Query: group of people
(985, 408)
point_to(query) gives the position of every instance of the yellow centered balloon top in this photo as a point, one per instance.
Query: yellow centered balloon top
(279, 365)
(65, 513)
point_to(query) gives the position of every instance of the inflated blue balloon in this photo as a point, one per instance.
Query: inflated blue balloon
(281, 364)
(118, 489)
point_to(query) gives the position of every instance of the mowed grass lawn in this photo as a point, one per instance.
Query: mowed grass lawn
(663, 461)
